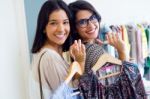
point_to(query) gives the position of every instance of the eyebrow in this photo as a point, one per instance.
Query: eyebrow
(53, 20)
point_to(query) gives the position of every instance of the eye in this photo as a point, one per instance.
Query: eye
(83, 21)
(93, 17)
(66, 22)
(52, 23)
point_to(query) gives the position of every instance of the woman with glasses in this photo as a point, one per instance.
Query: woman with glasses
(87, 27)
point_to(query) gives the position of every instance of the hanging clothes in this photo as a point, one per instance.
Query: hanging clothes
(144, 41)
(125, 36)
(147, 59)
(147, 67)
(127, 85)
(147, 31)
(131, 30)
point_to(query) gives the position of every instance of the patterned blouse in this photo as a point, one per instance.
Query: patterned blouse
(127, 85)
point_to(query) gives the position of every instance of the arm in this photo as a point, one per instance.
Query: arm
(64, 89)
(53, 73)
(55, 77)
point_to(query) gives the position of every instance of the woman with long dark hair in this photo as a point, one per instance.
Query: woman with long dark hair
(50, 69)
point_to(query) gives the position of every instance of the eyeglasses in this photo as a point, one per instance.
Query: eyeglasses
(84, 22)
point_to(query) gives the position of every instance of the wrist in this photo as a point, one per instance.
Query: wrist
(123, 55)
(80, 59)
(82, 64)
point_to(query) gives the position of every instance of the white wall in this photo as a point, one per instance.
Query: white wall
(122, 11)
(14, 54)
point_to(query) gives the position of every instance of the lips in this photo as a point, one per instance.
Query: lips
(91, 31)
(60, 36)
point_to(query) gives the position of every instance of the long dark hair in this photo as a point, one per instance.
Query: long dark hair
(75, 7)
(47, 8)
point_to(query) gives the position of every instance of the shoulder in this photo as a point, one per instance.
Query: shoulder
(45, 57)
(48, 54)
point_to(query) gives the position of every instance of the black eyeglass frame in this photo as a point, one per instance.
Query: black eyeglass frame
(85, 22)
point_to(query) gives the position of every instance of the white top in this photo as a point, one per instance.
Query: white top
(54, 70)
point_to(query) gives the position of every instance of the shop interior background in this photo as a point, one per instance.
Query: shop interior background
(18, 24)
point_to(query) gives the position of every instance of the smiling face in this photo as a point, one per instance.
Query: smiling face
(57, 28)
(89, 32)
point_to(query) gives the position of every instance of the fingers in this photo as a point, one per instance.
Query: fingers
(116, 41)
(115, 38)
(72, 52)
(77, 51)
(118, 37)
(112, 38)
(79, 44)
(82, 48)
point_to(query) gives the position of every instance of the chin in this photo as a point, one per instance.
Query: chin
(61, 42)
(94, 36)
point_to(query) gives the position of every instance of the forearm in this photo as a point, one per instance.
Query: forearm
(69, 77)
(82, 64)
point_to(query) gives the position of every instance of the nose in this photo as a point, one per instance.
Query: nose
(60, 28)
(90, 24)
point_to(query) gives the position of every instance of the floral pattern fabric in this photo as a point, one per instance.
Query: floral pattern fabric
(128, 85)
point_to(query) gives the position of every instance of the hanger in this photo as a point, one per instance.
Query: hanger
(103, 59)
(75, 68)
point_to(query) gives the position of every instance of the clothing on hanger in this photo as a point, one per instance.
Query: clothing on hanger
(127, 85)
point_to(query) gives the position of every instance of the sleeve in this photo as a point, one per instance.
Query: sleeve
(50, 77)
(136, 79)
(63, 92)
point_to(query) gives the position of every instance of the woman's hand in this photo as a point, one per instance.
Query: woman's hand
(78, 53)
(116, 41)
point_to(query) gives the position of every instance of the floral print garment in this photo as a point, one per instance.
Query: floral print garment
(127, 85)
